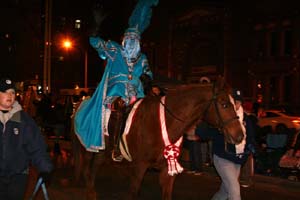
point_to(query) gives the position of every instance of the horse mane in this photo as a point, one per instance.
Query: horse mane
(196, 94)
(218, 85)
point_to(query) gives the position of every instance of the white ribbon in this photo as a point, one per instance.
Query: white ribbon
(171, 151)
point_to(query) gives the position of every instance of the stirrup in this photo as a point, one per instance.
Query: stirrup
(116, 158)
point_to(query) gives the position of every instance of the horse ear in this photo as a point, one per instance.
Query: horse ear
(221, 84)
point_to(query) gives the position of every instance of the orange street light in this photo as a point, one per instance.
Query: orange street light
(67, 44)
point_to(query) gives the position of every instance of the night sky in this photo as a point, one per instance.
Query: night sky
(21, 34)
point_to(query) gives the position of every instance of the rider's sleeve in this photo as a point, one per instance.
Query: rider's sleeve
(146, 68)
(105, 49)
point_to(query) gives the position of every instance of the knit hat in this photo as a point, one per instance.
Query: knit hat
(5, 84)
(237, 95)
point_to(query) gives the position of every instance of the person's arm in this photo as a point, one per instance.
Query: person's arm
(250, 132)
(96, 42)
(99, 45)
(147, 76)
(147, 83)
(146, 68)
(204, 131)
(99, 16)
(37, 148)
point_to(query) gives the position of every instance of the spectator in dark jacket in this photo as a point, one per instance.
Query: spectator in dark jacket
(21, 144)
(228, 158)
(195, 153)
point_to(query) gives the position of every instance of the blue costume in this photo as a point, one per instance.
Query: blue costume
(121, 78)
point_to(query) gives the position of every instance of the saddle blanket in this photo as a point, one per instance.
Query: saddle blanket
(123, 142)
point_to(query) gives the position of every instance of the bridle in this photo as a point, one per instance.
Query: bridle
(220, 124)
(219, 121)
(213, 101)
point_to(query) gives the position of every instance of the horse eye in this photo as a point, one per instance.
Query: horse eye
(225, 105)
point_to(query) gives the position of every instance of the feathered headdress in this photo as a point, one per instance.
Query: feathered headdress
(140, 17)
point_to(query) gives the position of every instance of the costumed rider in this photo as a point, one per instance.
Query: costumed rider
(121, 85)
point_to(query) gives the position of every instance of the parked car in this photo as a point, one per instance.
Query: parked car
(275, 118)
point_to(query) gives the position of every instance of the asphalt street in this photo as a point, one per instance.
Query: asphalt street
(112, 184)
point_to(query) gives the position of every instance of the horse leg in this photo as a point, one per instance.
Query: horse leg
(93, 162)
(166, 183)
(77, 161)
(89, 176)
(136, 178)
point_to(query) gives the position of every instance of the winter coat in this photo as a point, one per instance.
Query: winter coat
(21, 144)
(204, 131)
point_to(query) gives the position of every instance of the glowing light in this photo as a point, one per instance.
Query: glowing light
(296, 121)
(67, 44)
(259, 85)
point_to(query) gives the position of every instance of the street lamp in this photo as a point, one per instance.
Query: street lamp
(47, 47)
(68, 45)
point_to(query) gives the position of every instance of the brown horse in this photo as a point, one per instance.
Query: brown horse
(184, 107)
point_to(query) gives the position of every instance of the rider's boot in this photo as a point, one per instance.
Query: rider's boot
(116, 127)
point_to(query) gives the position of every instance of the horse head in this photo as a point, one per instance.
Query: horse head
(220, 113)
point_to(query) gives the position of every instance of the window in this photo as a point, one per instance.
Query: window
(260, 39)
(287, 88)
(274, 43)
(288, 38)
(77, 24)
(274, 90)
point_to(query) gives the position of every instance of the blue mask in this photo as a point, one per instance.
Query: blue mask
(131, 47)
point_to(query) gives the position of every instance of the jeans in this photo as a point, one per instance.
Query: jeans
(13, 188)
(195, 156)
(247, 171)
(206, 151)
(229, 173)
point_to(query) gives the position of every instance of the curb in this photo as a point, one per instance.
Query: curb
(277, 181)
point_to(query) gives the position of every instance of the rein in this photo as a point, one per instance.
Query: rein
(170, 112)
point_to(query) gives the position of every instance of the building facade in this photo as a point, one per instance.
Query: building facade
(267, 52)
(253, 44)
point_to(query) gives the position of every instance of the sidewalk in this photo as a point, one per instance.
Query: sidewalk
(282, 182)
